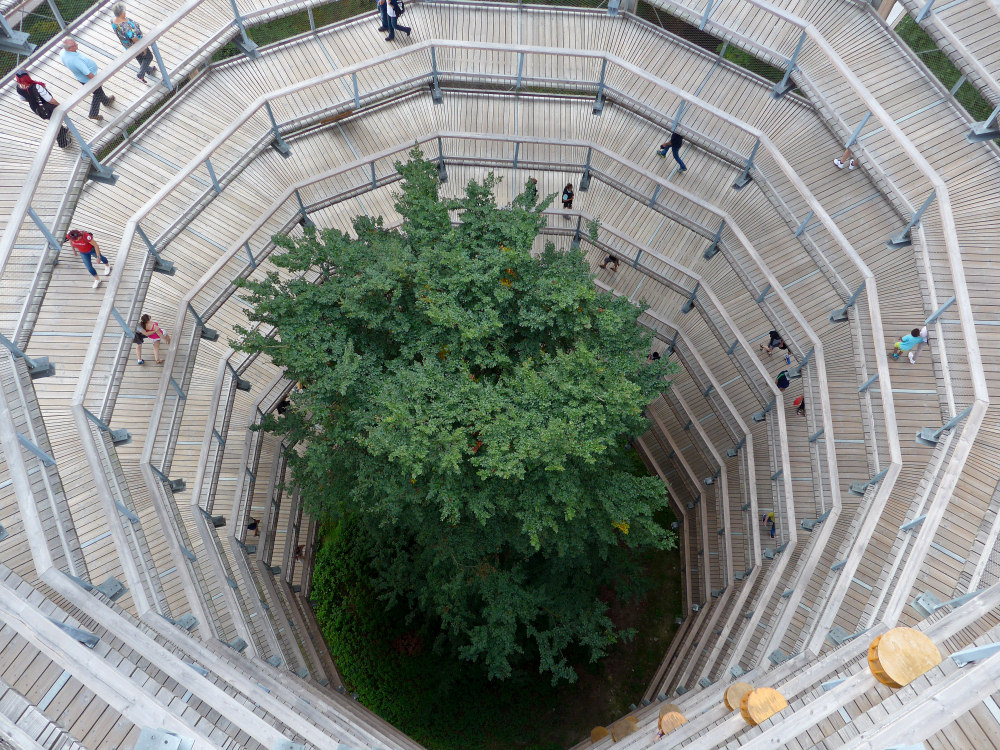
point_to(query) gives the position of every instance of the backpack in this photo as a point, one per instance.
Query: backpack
(399, 7)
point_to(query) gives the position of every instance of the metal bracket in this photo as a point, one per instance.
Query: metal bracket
(599, 102)
(38, 367)
(175, 485)
(279, 144)
(713, 249)
(15, 42)
(118, 437)
(929, 436)
(159, 264)
(786, 83)
(744, 179)
(902, 237)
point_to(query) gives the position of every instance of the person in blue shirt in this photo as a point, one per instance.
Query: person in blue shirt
(911, 343)
(83, 68)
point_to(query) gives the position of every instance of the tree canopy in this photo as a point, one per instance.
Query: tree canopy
(468, 405)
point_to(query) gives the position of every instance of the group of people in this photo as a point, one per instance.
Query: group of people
(83, 68)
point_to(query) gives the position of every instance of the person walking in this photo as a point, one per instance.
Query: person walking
(782, 380)
(911, 343)
(674, 144)
(768, 521)
(84, 243)
(42, 102)
(154, 333)
(567, 195)
(129, 33)
(800, 406)
(845, 161)
(83, 68)
(611, 260)
(383, 8)
(774, 341)
(396, 9)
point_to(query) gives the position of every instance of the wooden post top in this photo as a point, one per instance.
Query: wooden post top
(761, 704)
(670, 718)
(598, 733)
(901, 655)
(623, 728)
(734, 694)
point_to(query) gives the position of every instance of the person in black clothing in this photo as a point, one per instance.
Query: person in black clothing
(254, 526)
(42, 103)
(774, 342)
(567, 195)
(782, 380)
(653, 356)
(674, 144)
(612, 260)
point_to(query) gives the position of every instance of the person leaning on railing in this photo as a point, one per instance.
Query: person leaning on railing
(42, 103)
(83, 68)
(129, 33)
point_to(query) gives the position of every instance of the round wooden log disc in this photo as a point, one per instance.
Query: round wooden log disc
(734, 694)
(671, 718)
(761, 704)
(623, 728)
(598, 733)
(901, 655)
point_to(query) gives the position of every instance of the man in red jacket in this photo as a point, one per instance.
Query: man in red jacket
(83, 243)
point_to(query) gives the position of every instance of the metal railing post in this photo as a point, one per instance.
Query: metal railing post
(56, 14)
(986, 130)
(164, 75)
(689, 305)
(712, 249)
(840, 316)
(45, 458)
(15, 42)
(786, 83)
(244, 44)
(925, 11)
(175, 485)
(241, 384)
(98, 172)
(208, 334)
(279, 144)
(306, 221)
(442, 172)
(929, 436)
(706, 14)
(599, 102)
(50, 239)
(902, 237)
(211, 173)
(857, 131)
(744, 178)
(159, 265)
(118, 437)
(253, 263)
(939, 312)
(436, 90)
(585, 179)
(357, 96)
(38, 367)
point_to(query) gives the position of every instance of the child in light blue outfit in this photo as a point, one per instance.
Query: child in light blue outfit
(911, 343)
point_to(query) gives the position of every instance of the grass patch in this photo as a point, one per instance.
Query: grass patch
(943, 69)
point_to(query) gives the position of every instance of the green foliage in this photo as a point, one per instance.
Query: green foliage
(471, 405)
(944, 69)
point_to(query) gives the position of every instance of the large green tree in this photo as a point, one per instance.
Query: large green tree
(469, 404)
